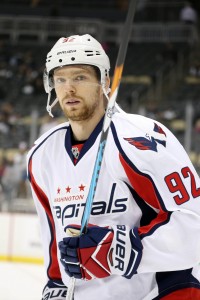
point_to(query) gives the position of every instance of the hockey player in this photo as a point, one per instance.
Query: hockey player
(143, 240)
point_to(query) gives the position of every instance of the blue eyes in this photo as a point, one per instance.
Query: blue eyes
(59, 80)
(77, 79)
(80, 78)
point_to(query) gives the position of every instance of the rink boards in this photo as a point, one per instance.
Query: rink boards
(21, 240)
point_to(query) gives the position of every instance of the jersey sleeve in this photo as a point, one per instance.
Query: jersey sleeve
(47, 225)
(162, 175)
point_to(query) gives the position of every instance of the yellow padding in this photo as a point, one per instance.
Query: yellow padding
(22, 259)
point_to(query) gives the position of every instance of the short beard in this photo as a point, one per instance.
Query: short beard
(86, 113)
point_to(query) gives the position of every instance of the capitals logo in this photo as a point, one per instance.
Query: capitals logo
(113, 205)
(150, 142)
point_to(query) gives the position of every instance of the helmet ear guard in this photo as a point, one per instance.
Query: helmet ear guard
(49, 86)
(48, 81)
(75, 50)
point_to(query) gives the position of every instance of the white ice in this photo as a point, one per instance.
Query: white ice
(21, 281)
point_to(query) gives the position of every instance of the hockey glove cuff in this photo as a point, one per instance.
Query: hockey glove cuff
(125, 251)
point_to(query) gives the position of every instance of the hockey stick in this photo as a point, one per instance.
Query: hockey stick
(106, 125)
(109, 112)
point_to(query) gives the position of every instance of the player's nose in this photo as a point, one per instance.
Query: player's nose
(69, 86)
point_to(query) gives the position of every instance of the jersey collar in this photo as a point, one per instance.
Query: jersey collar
(87, 145)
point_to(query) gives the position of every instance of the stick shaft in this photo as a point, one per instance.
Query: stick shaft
(109, 112)
(123, 46)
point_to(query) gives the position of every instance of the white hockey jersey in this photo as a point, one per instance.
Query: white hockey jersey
(146, 180)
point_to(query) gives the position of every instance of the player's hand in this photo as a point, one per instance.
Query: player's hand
(101, 252)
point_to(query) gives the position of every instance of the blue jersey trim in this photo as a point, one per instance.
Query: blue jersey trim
(86, 146)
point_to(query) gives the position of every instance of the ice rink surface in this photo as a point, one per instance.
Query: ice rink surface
(21, 281)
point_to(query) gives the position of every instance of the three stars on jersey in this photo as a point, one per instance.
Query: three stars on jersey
(68, 189)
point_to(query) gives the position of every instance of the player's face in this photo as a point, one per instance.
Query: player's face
(79, 92)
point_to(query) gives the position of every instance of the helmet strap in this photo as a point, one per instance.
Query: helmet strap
(106, 91)
(49, 107)
(117, 108)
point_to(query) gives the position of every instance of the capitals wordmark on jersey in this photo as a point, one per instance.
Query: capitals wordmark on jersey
(74, 205)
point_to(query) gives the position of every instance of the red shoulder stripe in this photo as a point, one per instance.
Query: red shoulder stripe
(146, 190)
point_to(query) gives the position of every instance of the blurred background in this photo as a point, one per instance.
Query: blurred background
(161, 80)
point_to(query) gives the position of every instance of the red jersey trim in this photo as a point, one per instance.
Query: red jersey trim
(183, 294)
(146, 190)
(53, 269)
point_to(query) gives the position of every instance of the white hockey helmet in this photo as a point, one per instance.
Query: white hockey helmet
(76, 49)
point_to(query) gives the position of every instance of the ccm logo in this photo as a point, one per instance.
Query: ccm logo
(64, 52)
(120, 247)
